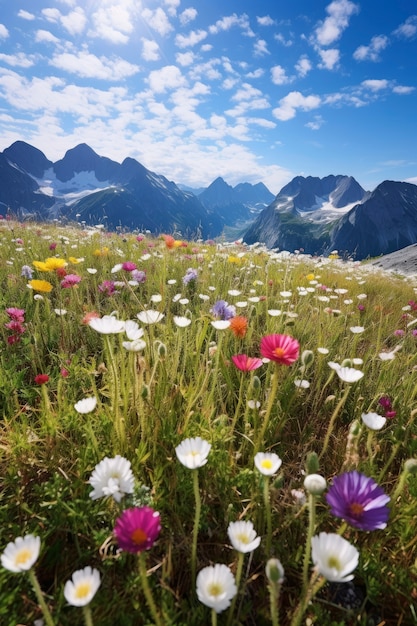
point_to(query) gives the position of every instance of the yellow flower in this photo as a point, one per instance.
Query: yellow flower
(41, 266)
(177, 243)
(310, 276)
(40, 285)
(74, 260)
(101, 252)
(54, 264)
(235, 259)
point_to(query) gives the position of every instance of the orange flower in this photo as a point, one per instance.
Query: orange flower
(169, 241)
(239, 326)
(89, 316)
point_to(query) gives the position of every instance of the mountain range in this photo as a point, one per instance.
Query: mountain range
(315, 215)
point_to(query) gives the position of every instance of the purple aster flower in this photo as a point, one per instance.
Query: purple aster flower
(359, 500)
(138, 275)
(137, 529)
(27, 272)
(191, 274)
(222, 310)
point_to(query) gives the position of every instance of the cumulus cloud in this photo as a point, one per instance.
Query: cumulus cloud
(329, 58)
(168, 77)
(281, 39)
(331, 29)
(158, 20)
(373, 50)
(184, 58)
(17, 60)
(293, 101)
(260, 48)
(403, 90)
(316, 123)
(90, 66)
(407, 29)
(150, 50)
(265, 20)
(74, 22)
(4, 33)
(192, 39)
(44, 36)
(25, 15)
(278, 75)
(226, 23)
(114, 21)
(375, 84)
(303, 66)
(187, 16)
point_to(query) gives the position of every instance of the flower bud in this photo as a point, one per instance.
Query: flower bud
(312, 463)
(307, 358)
(274, 571)
(410, 466)
(256, 382)
(315, 484)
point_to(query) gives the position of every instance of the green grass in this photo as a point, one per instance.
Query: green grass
(184, 384)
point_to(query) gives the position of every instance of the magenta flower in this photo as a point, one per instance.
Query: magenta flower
(129, 266)
(137, 529)
(107, 287)
(246, 363)
(280, 348)
(16, 315)
(359, 500)
(70, 280)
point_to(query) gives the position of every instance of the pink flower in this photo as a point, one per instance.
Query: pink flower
(137, 529)
(41, 379)
(70, 281)
(246, 363)
(17, 315)
(280, 348)
(128, 266)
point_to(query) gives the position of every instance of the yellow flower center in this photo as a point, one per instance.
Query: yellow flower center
(334, 562)
(22, 556)
(243, 538)
(266, 463)
(279, 352)
(138, 536)
(215, 589)
(83, 590)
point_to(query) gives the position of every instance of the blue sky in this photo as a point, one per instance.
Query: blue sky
(195, 89)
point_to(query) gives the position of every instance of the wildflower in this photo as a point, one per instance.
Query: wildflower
(374, 421)
(41, 379)
(107, 325)
(274, 571)
(70, 281)
(356, 330)
(21, 554)
(246, 363)
(358, 500)
(220, 324)
(334, 557)
(137, 529)
(89, 316)
(191, 274)
(239, 326)
(107, 287)
(193, 452)
(138, 275)
(17, 315)
(389, 356)
(26, 272)
(150, 316)
(43, 286)
(280, 348)
(349, 374)
(134, 346)
(132, 330)
(216, 587)
(169, 241)
(129, 266)
(86, 405)
(181, 322)
(268, 463)
(399, 332)
(243, 536)
(82, 588)
(222, 310)
(112, 477)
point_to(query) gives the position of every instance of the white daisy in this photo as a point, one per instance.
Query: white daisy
(267, 463)
(112, 477)
(193, 452)
(334, 557)
(21, 554)
(86, 405)
(82, 588)
(216, 587)
(243, 536)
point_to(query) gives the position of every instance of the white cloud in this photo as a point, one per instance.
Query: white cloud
(226, 23)
(260, 48)
(408, 28)
(403, 90)
(331, 29)
(278, 75)
(316, 124)
(206, 47)
(187, 16)
(281, 39)
(206, 71)
(42, 36)
(168, 77)
(4, 33)
(74, 22)
(256, 73)
(17, 60)
(375, 84)
(25, 15)
(291, 102)
(184, 58)
(265, 20)
(329, 58)
(192, 39)
(172, 6)
(303, 66)
(150, 50)
(51, 15)
(158, 20)
(114, 21)
(371, 52)
(90, 66)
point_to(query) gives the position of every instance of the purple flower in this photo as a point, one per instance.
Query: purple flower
(137, 529)
(107, 287)
(222, 310)
(359, 500)
(27, 272)
(138, 275)
(191, 274)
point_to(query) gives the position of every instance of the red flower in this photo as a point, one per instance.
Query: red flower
(246, 363)
(280, 348)
(41, 379)
(137, 529)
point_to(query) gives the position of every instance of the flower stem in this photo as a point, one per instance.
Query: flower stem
(333, 420)
(213, 618)
(147, 590)
(38, 591)
(267, 502)
(88, 620)
(271, 400)
(196, 525)
(314, 586)
(238, 576)
(310, 532)
(119, 421)
(273, 602)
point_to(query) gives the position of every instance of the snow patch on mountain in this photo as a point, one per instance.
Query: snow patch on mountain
(81, 184)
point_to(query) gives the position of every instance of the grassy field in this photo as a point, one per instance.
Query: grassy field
(291, 384)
